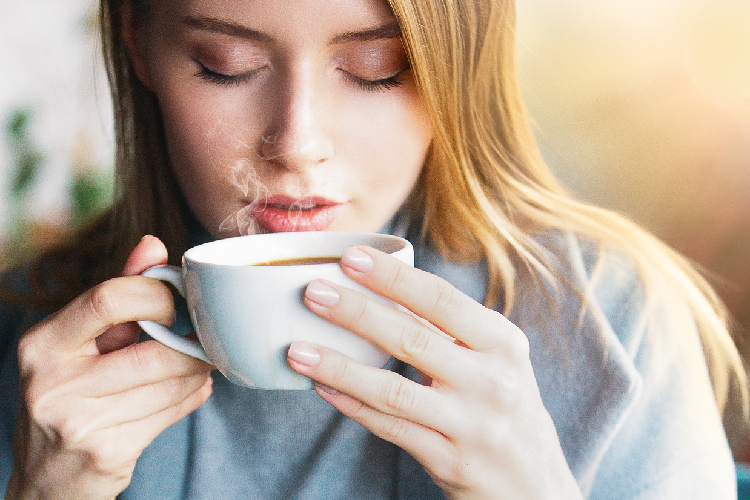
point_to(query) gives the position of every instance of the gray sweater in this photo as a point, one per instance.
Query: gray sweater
(634, 410)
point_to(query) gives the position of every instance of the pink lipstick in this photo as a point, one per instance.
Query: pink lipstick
(281, 214)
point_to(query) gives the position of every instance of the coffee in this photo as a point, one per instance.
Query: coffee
(301, 261)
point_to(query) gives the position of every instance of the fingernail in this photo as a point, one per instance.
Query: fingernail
(357, 259)
(322, 294)
(325, 388)
(303, 354)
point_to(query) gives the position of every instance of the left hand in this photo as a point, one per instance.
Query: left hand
(479, 427)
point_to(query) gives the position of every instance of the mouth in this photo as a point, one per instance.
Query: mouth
(282, 214)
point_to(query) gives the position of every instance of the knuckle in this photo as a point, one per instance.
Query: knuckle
(36, 348)
(518, 347)
(70, 431)
(145, 357)
(360, 313)
(396, 429)
(37, 410)
(109, 460)
(399, 396)
(64, 429)
(502, 387)
(341, 370)
(358, 411)
(29, 350)
(447, 299)
(399, 278)
(103, 302)
(415, 340)
(42, 408)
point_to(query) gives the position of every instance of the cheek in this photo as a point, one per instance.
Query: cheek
(207, 141)
(204, 126)
(389, 138)
(210, 151)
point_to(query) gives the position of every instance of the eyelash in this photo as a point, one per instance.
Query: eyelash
(222, 79)
(381, 85)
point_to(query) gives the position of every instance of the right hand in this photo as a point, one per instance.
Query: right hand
(92, 396)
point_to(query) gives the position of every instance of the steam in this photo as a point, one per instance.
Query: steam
(243, 175)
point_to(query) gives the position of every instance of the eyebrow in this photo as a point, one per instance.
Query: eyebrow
(226, 27)
(384, 32)
(230, 28)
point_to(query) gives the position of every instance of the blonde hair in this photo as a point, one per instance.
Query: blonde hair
(484, 194)
(487, 191)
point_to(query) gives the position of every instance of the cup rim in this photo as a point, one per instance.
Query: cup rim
(209, 253)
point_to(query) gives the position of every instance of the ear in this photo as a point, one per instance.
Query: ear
(135, 49)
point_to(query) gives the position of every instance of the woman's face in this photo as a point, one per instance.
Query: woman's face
(284, 115)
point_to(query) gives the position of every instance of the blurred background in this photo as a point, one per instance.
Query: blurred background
(642, 106)
(56, 138)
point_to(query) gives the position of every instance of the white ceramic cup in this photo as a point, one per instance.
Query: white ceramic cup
(246, 315)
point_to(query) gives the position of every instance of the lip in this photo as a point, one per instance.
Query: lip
(283, 214)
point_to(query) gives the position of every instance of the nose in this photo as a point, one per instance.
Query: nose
(297, 136)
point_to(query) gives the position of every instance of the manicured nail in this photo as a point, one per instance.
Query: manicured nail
(326, 389)
(303, 354)
(322, 294)
(357, 259)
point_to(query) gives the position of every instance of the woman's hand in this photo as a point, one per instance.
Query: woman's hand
(92, 397)
(478, 426)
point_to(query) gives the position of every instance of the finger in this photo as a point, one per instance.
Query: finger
(131, 438)
(399, 333)
(385, 391)
(144, 401)
(138, 365)
(119, 300)
(149, 252)
(426, 445)
(428, 296)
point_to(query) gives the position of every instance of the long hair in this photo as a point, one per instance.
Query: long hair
(485, 191)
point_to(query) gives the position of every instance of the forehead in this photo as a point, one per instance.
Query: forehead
(310, 19)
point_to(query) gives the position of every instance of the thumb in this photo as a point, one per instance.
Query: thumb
(148, 253)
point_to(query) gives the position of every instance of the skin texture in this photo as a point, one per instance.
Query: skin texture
(260, 107)
(478, 425)
(94, 398)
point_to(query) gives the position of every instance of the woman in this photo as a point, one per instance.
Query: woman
(261, 115)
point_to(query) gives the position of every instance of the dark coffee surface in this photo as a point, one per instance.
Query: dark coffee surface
(301, 261)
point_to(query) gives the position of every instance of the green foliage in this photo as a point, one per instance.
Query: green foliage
(90, 194)
(90, 191)
(28, 159)
(27, 167)
(18, 122)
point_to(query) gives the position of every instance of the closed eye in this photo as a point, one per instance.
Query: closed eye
(379, 85)
(222, 79)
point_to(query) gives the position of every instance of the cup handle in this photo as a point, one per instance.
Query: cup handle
(173, 275)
